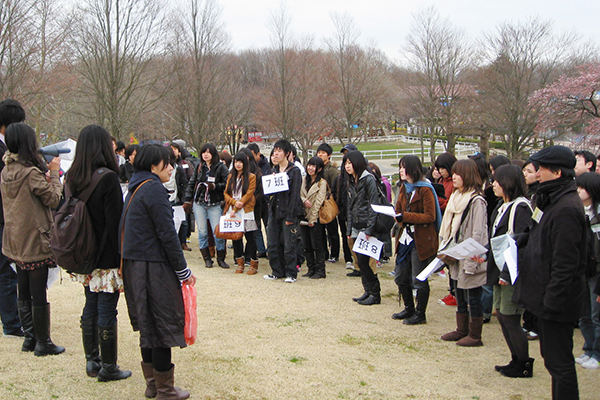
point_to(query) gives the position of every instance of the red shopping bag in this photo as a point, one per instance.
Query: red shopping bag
(191, 318)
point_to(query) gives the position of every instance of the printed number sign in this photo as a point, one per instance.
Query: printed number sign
(371, 247)
(228, 224)
(275, 183)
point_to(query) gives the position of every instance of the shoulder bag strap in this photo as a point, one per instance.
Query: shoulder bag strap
(123, 224)
(511, 215)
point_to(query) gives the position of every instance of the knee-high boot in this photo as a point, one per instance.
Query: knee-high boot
(41, 326)
(365, 287)
(206, 257)
(374, 293)
(165, 386)
(221, 259)
(473, 339)
(405, 295)
(108, 351)
(89, 334)
(25, 314)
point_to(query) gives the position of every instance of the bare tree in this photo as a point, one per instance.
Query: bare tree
(438, 53)
(520, 59)
(116, 43)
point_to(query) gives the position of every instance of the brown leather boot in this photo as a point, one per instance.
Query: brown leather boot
(240, 263)
(253, 267)
(462, 328)
(212, 250)
(165, 386)
(148, 371)
(474, 337)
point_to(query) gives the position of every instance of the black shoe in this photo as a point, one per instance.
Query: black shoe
(521, 369)
(108, 353)
(363, 297)
(262, 255)
(510, 365)
(354, 273)
(404, 314)
(416, 319)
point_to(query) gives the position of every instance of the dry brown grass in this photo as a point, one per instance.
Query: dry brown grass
(270, 340)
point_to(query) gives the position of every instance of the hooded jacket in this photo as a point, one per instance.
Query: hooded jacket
(28, 199)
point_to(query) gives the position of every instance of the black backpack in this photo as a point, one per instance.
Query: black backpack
(73, 242)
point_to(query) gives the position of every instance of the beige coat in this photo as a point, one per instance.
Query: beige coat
(28, 198)
(316, 195)
(470, 274)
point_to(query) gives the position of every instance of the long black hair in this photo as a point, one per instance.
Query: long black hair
(20, 139)
(590, 181)
(94, 150)
(358, 162)
(512, 181)
(318, 163)
(240, 156)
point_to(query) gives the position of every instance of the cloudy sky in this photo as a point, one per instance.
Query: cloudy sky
(386, 22)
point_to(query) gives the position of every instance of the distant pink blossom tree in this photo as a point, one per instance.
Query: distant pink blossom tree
(571, 104)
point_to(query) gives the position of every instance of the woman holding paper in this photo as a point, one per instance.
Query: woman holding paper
(312, 193)
(466, 217)
(239, 195)
(417, 242)
(362, 192)
(512, 216)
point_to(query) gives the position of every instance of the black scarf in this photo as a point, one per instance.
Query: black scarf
(546, 190)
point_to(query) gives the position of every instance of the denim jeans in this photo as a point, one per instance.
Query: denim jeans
(589, 323)
(101, 306)
(487, 300)
(204, 213)
(8, 294)
(469, 300)
(282, 243)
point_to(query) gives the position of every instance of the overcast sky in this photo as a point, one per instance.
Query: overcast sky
(386, 22)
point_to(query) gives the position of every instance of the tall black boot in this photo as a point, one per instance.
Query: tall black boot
(405, 295)
(221, 259)
(206, 257)
(419, 317)
(374, 293)
(25, 315)
(41, 326)
(89, 333)
(366, 288)
(319, 271)
(108, 349)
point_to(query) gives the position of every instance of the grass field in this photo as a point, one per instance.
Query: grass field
(260, 339)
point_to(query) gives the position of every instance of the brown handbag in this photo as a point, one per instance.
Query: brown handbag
(228, 235)
(329, 209)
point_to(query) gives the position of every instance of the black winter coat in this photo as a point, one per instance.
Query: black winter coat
(288, 205)
(196, 187)
(551, 277)
(522, 223)
(361, 195)
(149, 229)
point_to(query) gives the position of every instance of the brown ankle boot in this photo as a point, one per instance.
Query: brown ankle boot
(474, 337)
(462, 328)
(165, 386)
(253, 267)
(240, 263)
(148, 371)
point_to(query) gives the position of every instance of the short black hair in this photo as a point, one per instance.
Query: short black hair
(212, 150)
(284, 145)
(565, 172)
(445, 161)
(149, 155)
(11, 112)
(413, 167)
(512, 181)
(590, 181)
(588, 157)
(253, 147)
(325, 147)
(120, 145)
(130, 149)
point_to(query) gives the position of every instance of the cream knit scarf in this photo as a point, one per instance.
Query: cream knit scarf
(454, 209)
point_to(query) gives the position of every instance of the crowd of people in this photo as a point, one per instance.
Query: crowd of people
(547, 208)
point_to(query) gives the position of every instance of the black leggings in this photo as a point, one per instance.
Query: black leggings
(160, 357)
(515, 337)
(32, 285)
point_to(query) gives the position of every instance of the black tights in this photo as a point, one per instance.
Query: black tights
(160, 357)
(515, 337)
(32, 285)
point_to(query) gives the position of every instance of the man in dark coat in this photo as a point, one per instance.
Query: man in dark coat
(551, 277)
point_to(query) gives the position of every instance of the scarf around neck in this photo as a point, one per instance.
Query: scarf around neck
(452, 216)
(410, 187)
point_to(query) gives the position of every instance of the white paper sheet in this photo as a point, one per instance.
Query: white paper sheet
(465, 249)
(430, 269)
(178, 216)
(510, 256)
(387, 210)
(371, 247)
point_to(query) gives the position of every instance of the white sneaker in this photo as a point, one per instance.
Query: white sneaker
(289, 279)
(592, 363)
(270, 277)
(582, 359)
(349, 265)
